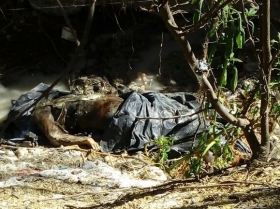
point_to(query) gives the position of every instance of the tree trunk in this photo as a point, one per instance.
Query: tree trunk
(265, 75)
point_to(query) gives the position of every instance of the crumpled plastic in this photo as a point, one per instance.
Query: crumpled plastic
(93, 173)
(145, 117)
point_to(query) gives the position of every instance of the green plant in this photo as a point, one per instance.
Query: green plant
(218, 144)
(228, 28)
(276, 108)
(210, 142)
(164, 144)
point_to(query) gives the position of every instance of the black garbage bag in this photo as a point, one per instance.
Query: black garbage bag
(144, 117)
(21, 128)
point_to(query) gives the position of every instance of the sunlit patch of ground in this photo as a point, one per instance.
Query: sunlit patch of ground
(238, 187)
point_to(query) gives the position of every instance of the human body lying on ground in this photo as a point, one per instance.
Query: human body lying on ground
(128, 122)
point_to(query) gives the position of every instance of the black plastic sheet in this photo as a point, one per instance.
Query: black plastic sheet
(144, 117)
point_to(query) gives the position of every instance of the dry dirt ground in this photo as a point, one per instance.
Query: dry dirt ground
(61, 178)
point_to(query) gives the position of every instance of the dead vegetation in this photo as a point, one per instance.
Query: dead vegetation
(254, 186)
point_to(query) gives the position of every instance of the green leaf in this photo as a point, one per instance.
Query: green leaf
(197, 13)
(234, 80)
(234, 59)
(224, 76)
(241, 32)
(225, 13)
(273, 84)
(229, 47)
(252, 12)
(214, 27)
(239, 40)
(212, 52)
(240, 26)
(229, 42)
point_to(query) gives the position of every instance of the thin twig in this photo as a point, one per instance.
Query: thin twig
(5, 27)
(132, 41)
(132, 54)
(248, 31)
(209, 15)
(77, 195)
(170, 186)
(174, 117)
(120, 156)
(117, 21)
(248, 182)
(160, 52)
(3, 14)
(204, 20)
(227, 183)
(54, 46)
(76, 40)
(224, 113)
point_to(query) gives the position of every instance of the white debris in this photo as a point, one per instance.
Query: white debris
(101, 174)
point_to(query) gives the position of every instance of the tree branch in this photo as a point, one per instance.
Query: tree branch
(265, 72)
(206, 18)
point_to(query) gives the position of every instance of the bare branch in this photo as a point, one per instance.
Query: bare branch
(160, 51)
(248, 31)
(54, 46)
(174, 117)
(3, 14)
(265, 76)
(224, 113)
(209, 15)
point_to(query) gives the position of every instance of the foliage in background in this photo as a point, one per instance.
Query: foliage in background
(227, 29)
(227, 32)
